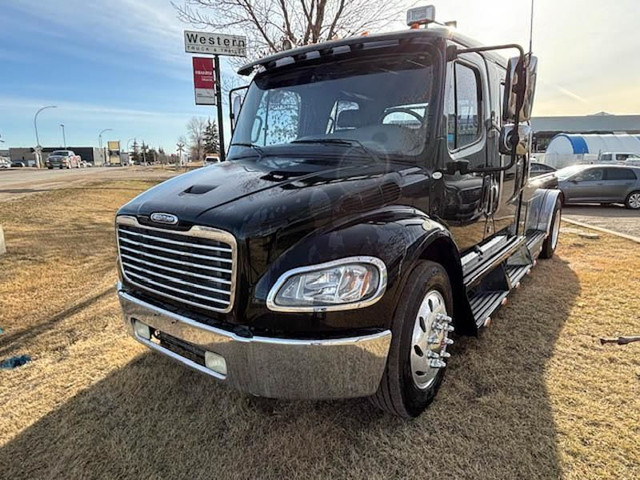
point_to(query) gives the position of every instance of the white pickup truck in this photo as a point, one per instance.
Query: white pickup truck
(63, 159)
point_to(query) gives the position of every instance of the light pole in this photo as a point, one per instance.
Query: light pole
(35, 126)
(104, 157)
(64, 139)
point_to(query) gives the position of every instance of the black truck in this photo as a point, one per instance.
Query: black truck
(375, 200)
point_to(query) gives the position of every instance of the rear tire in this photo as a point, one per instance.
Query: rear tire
(633, 200)
(551, 243)
(405, 390)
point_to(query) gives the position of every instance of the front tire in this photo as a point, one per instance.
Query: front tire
(551, 243)
(633, 200)
(420, 336)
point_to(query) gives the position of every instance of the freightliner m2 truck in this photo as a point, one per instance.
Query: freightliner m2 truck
(375, 202)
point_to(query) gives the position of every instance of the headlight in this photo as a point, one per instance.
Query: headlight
(343, 284)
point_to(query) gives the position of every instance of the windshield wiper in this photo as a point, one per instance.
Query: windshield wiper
(340, 141)
(257, 148)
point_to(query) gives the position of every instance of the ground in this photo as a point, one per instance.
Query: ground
(536, 397)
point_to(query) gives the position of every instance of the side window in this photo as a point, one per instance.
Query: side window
(334, 119)
(620, 174)
(605, 157)
(462, 106)
(592, 175)
(277, 118)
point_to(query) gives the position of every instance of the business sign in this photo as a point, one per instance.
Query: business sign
(215, 44)
(204, 80)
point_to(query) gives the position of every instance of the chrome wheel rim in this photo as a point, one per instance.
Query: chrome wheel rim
(634, 200)
(555, 233)
(430, 340)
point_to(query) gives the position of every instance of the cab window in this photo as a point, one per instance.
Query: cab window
(462, 106)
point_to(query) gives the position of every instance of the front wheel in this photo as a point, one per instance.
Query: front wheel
(551, 243)
(633, 201)
(420, 337)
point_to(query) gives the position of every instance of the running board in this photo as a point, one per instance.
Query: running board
(489, 281)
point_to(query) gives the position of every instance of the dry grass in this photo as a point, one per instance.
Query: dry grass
(536, 397)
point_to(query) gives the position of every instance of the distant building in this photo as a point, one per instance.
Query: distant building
(545, 128)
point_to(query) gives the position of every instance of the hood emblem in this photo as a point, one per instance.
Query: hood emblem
(166, 218)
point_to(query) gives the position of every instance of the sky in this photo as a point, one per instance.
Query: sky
(121, 64)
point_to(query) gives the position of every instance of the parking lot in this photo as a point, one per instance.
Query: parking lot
(536, 396)
(612, 217)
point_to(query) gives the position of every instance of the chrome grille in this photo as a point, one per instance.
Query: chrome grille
(196, 267)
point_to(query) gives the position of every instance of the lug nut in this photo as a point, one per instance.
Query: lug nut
(432, 354)
(441, 317)
(448, 341)
(445, 354)
(437, 364)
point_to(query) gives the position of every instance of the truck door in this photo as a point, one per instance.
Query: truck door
(466, 195)
(507, 185)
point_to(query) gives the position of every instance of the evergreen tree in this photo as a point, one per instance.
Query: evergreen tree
(211, 138)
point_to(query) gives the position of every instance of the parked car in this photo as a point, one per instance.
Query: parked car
(5, 162)
(63, 159)
(17, 164)
(211, 160)
(632, 161)
(600, 184)
(537, 169)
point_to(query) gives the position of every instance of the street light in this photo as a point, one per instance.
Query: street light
(35, 126)
(64, 139)
(104, 156)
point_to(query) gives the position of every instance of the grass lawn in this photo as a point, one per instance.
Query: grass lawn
(536, 397)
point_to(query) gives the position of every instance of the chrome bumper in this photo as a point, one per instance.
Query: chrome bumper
(271, 367)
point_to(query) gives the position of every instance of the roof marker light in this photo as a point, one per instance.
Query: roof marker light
(421, 15)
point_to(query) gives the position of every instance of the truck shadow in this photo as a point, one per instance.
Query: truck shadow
(155, 419)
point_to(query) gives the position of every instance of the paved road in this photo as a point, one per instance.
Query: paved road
(613, 217)
(18, 182)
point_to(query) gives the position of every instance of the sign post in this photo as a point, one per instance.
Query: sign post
(215, 44)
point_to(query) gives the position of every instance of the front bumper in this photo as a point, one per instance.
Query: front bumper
(270, 367)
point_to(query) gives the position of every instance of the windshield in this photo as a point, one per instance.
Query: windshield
(380, 104)
(565, 173)
(61, 153)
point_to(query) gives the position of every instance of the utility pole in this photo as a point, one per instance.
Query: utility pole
(104, 156)
(64, 139)
(38, 148)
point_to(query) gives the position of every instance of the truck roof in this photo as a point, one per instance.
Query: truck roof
(327, 48)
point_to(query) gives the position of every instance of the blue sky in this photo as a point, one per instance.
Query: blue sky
(121, 64)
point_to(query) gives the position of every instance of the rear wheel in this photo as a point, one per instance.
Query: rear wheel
(633, 200)
(420, 337)
(551, 243)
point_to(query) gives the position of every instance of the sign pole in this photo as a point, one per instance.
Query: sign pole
(216, 60)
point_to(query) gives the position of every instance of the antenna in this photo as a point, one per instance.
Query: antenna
(531, 30)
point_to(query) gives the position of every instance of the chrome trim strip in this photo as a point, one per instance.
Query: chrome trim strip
(195, 231)
(178, 252)
(175, 270)
(178, 262)
(176, 280)
(382, 285)
(175, 242)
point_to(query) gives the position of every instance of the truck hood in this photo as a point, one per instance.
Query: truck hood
(247, 196)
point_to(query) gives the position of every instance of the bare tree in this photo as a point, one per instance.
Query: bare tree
(196, 128)
(274, 25)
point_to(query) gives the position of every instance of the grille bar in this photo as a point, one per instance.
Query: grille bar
(179, 262)
(165, 263)
(174, 242)
(174, 270)
(174, 252)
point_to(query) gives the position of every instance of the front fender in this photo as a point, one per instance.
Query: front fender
(397, 235)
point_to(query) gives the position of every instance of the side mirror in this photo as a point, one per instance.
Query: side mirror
(520, 78)
(236, 98)
(508, 138)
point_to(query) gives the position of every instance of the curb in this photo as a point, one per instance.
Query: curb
(600, 229)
